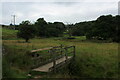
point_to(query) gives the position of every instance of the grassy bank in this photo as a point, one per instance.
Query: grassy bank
(9, 33)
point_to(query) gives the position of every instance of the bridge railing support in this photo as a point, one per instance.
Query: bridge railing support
(66, 55)
(55, 53)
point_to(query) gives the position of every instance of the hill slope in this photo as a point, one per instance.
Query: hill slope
(9, 33)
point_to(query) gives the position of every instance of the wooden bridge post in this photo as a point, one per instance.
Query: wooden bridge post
(66, 53)
(61, 49)
(54, 60)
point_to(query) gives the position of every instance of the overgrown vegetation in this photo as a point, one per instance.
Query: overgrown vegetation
(93, 60)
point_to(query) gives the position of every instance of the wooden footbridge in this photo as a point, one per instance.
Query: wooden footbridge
(49, 59)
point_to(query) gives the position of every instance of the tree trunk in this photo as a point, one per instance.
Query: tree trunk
(26, 40)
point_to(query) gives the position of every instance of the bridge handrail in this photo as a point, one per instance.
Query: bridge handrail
(32, 51)
(57, 49)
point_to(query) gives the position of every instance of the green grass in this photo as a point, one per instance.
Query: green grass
(93, 60)
(8, 33)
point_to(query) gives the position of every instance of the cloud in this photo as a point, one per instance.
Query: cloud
(67, 12)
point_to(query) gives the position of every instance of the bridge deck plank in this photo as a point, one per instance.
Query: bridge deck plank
(45, 68)
(41, 49)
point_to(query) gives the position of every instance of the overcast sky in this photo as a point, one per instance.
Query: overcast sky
(71, 11)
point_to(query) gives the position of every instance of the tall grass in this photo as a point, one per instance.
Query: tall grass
(93, 60)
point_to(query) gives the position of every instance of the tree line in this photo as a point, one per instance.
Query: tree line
(40, 28)
(106, 27)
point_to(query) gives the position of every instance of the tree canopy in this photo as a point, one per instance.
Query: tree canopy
(26, 30)
(45, 29)
(106, 27)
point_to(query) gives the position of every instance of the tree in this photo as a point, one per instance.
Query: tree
(51, 30)
(41, 26)
(116, 36)
(60, 28)
(26, 30)
(45, 29)
(55, 29)
(69, 29)
(105, 28)
(82, 28)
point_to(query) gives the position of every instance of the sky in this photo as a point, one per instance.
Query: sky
(67, 11)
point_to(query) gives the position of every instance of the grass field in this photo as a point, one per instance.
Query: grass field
(8, 33)
(93, 60)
